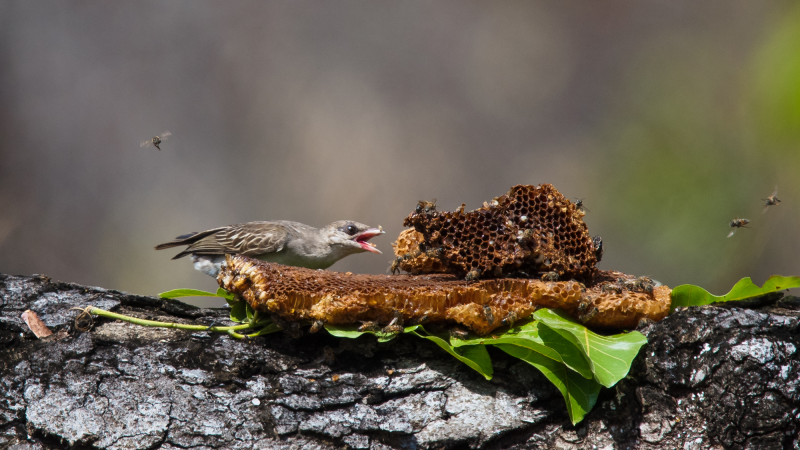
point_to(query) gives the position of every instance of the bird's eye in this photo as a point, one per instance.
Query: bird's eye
(351, 229)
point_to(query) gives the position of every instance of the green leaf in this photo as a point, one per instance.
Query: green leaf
(609, 357)
(239, 312)
(269, 329)
(177, 293)
(475, 356)
(249, 311)
(228, 296)
(689, 295)
(532, 335)
(580, 394)
(224, 294)
(352, 332)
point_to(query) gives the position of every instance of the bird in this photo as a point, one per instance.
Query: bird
(280, 241)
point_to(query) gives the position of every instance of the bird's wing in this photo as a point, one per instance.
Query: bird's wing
(249, 239)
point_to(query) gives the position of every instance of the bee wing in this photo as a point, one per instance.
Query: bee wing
(165, 135)
(731, 233)
(146, 143)
(766, 207)
(775, 192)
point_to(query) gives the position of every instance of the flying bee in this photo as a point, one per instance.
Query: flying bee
(736, 224)
(772, 200)
(597, 241)
(426, 207)
(579, 205)
(550, 276)
(156, 140)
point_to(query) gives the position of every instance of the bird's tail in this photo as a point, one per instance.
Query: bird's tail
(187, 239)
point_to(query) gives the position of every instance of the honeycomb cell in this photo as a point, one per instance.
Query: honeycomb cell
(530, 229)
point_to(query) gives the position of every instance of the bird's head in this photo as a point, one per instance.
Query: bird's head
(352, 236)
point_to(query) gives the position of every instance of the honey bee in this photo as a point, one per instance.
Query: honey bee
(473, 275)
(526, 235)
(156, 140)
(369, 326)
(510, 319)
(426, 207)
(395, 326)
(488, 314)
(316, 326)
(597, 241)
(772, 200)
(395, 267)
(610, 287)
(420, 321)
(583, 318)
(435, 253)
(550, 276)
(644, 284)
(458, 333)
(736, 224)
(579, 205)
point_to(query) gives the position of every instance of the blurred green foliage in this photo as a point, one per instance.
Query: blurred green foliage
(691, 147)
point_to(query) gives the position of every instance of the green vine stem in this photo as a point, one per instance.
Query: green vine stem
(182, 326)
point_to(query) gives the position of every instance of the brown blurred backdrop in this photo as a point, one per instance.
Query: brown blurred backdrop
(668, 117)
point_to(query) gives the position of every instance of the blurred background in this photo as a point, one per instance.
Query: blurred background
(669, 118)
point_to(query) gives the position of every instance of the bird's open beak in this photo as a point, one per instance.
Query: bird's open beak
(365, 236)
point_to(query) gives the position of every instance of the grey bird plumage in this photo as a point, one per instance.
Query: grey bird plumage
(280, 241)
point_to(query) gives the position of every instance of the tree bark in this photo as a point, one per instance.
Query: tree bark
(709, 378)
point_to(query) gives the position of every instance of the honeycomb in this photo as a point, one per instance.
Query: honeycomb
(411, 259)
(529, 231)
(301, 295)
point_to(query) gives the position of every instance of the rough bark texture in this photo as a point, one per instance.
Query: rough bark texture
(710, 378)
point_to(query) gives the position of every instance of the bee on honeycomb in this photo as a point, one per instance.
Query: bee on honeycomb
(530, 229)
